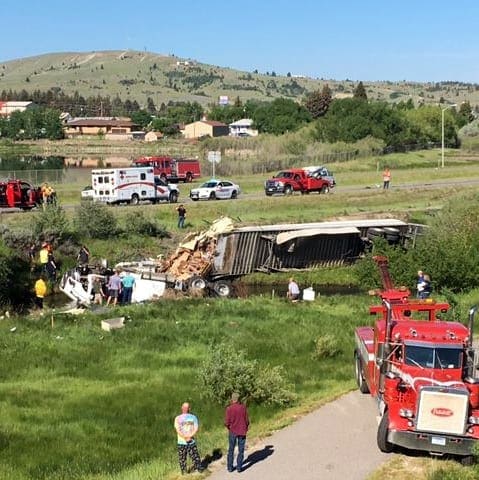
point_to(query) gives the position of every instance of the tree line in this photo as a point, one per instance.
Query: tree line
(347, 119)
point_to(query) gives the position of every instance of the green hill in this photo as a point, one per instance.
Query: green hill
(139, 75)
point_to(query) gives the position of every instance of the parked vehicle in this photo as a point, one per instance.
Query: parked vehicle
(87, 193)
(19, 194)
(296, 180)
(172, 169)
(215, 190)
(131, 185)
(421, 370)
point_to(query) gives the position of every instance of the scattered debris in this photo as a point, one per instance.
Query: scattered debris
(13, 329)
(113, 324)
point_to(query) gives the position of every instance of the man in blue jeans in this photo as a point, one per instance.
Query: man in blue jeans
(237, 423)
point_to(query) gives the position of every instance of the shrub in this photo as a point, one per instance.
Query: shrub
(51, 223)
(94, 220)
(139, 224)
(325, 346)
(227, 370)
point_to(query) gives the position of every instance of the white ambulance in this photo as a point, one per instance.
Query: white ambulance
(131, 185)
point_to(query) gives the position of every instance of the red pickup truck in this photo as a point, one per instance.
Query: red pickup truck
(297, 180)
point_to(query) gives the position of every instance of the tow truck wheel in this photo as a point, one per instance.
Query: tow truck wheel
(222, 289)
(134, 199)
(468, 461)
(382, 437)
(362, 385)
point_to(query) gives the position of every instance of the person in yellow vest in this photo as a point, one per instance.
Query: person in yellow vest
(40, 291)
(44, 255)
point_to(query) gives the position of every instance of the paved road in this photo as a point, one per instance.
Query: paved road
(336, 442)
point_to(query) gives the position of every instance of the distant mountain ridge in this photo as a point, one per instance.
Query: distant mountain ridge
(137, 75)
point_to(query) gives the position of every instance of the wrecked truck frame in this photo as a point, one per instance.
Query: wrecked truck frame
(212, 259)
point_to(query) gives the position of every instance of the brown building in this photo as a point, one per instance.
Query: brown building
(99, 126)
(204, 128)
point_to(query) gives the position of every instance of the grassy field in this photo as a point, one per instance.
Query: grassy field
(79, 403)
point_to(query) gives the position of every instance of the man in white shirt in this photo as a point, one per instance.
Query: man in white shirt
(293, 290)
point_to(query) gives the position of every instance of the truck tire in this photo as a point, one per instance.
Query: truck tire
(362, 385)
(197, 283)
(382, 437)
(268, 194)
(222, 289)
(134, 199)
(234, 195)
(173, 197)
(324, 189)
(288, 190)
(374, 233)
(468, 461)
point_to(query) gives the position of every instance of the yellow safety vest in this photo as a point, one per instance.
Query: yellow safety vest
(40, 288)
(44, 256)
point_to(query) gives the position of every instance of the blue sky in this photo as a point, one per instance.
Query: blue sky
(417, 40)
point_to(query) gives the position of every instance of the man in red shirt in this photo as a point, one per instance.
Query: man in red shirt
(237, 422)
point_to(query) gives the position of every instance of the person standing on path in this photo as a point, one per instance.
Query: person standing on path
(186, 426)
(181, 216)
(237, 423)
(386, 178)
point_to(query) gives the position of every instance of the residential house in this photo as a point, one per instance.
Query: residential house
(243, 128)
(111, 127)
(8, 107)
(206, 128)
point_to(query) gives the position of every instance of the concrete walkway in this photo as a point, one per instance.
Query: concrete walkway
(336, 442)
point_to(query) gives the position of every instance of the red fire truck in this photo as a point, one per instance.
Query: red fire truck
(19, 194)
(172, 169)
(421, 370)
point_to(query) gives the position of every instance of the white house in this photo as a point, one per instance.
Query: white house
(243, 128)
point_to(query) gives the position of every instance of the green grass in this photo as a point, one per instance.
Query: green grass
(77, 402)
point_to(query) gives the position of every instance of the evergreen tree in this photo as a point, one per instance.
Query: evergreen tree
(317, 103)
(360, 92)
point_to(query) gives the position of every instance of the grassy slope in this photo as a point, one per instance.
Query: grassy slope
(93, 73)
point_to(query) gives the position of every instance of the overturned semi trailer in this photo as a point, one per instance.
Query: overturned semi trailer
(306, 245)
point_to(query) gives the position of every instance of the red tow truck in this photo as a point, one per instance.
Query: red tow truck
(421, 371)
(172, 169)
(297, 180)
(19, 194)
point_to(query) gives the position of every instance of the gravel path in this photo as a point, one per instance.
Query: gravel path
(335, 442)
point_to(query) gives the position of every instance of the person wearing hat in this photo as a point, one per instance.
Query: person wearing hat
(237, 423)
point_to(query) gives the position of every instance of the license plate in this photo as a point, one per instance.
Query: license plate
(438, 441)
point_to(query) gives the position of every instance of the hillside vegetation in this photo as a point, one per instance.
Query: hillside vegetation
(164, 78)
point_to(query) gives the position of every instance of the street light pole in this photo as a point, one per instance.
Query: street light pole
(443, 109)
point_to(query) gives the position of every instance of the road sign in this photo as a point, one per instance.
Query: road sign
(214, 157)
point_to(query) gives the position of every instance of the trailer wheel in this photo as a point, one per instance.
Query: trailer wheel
(222, 289)
(135, 199)
(288, 190)
(173, 197)
(383, 431)
(362, 385)
(197, 283)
